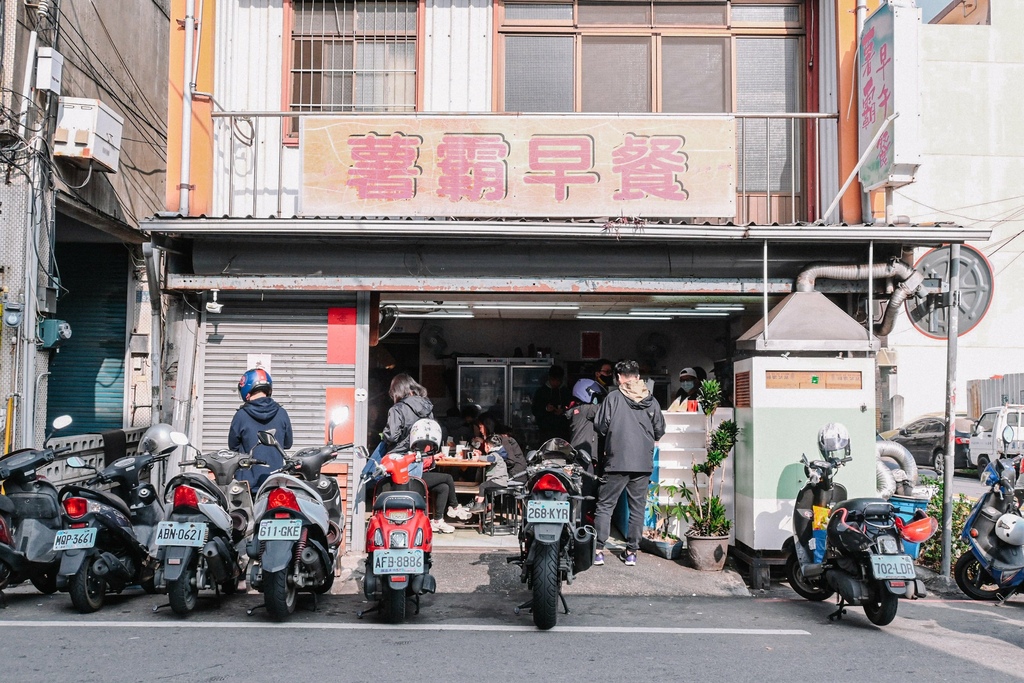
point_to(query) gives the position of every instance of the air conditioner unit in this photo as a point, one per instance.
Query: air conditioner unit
(88, 132)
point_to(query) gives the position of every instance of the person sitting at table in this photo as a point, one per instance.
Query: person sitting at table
(496, 475)
(486, 426)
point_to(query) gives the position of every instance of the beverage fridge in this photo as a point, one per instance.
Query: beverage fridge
(505, 387)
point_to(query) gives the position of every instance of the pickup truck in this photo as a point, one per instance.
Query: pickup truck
(987, 439)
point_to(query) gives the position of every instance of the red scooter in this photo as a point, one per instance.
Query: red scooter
(398, 538)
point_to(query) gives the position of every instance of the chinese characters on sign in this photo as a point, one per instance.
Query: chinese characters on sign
(876, 86)
(518, 166)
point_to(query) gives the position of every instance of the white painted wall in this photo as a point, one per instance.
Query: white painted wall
(972, 120)
(458, 58)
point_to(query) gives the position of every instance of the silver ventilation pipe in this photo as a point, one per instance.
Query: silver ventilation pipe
(896, 451)
(908, 281)
(885, 482)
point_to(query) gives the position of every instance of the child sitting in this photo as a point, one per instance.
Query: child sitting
(496, 475)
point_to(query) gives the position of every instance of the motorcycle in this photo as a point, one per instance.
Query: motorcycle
(108, 535)
(554, 546)
(852, 546)
(29, 517)
(993, 566)
(199, 544)
(299, 522)
(399, 539)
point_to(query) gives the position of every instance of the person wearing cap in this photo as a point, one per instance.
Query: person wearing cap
(688, 388)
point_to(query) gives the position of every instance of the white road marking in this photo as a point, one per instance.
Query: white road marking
(335, 626)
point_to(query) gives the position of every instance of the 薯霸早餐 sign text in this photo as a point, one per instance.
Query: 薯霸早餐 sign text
(532, 166)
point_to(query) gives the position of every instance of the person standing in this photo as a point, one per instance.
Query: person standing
(631, 421)
(603, 370)
(587, 394)
(259, 413)
(688, 389)
(549, 404)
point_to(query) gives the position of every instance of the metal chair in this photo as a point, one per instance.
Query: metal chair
(500, 515)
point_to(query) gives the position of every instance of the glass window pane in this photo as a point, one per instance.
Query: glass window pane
(695, 75)
(530, 11)
(379, 16)
(683, 14)
(381, 70)
(539, 73)
(619, 14)
(616, 74)
(328, 17)
(768, 80)
(765, 14)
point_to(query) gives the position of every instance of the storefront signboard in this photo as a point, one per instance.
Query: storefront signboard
(887, 84)
(519, 166)
(826, 379)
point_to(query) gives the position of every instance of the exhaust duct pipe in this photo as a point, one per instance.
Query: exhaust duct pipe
(891, 449)
(885, 483)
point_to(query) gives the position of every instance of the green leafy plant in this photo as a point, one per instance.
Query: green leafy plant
(931, 550)
(665, 512)
(705, 512)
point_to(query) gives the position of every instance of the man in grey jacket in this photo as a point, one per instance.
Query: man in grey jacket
(631, 421)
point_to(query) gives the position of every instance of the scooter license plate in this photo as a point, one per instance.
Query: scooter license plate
(550, 511)
(893, 567)
(398, 561)
(181, 534)
(280, 530)
(73, 539)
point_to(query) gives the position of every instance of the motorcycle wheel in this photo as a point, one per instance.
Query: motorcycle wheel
(804, 588)
(183, 593)
(46, 583)
(278, 596)
(394, 604)
(545, 587)
(973, 579)
(882, 611)
(87, 590)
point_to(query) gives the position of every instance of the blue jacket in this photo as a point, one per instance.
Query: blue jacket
(261, 414)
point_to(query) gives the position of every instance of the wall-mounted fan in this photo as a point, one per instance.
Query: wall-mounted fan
(432, 337)
(653, 346)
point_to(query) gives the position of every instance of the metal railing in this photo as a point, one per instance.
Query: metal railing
(257, 167)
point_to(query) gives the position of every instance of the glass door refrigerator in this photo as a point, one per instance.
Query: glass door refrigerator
(505, 387)
(483, 384)
(527, 376)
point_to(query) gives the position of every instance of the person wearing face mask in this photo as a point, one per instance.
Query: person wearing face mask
(688, 387)
(603, 370)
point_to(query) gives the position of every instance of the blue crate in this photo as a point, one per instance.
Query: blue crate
(905, 509)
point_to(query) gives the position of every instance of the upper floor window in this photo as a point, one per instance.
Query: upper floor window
(353, 55)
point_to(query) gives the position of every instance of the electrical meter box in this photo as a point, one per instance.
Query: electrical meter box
(53, 332)
(88, 133)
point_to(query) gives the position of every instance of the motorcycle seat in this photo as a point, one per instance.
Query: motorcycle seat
(404, 500)
(97, 495)
(868, 507)
(6, 505)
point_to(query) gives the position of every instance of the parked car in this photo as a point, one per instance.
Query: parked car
(925, 438)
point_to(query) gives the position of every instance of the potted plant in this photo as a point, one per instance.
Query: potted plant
(707, 539)
(658, 539)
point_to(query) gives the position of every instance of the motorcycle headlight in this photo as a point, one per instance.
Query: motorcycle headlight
(399, 540)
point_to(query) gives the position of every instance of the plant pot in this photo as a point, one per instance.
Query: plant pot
(707, 553)
(669, 549)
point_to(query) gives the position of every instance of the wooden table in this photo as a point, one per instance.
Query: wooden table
(464, 466)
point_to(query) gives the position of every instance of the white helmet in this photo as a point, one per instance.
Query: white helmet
(834, 441)
(425, 436)
(1010, 528)
(157, 440)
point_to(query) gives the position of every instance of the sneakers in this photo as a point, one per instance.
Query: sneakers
(441, 526)
(630, 558)
(477, 507)
(459, 512)
(599, 558)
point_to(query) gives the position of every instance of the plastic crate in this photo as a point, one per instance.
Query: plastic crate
(905, 509)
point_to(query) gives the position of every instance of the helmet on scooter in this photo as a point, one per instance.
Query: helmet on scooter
(425, 436)
(587, 391)
(1010, 529)
(256, 379)
(834, 441)
(157, 440)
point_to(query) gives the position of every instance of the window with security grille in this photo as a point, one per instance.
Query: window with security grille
(353, 55)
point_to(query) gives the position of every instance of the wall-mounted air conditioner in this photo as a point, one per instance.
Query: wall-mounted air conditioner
(88, 132)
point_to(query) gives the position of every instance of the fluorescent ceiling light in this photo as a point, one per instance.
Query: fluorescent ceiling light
(622, 317)
(429, 305)
(679, 313)
(528, 307)
(720, 307)
(438, 314)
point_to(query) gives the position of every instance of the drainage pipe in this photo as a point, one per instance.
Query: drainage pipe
(152, 258)
(184, 176)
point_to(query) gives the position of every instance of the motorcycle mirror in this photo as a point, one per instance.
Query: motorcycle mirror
(179, 438)
(339, 416)
(266, 438)
(76, 462)
(1008, 434)
(61, 422)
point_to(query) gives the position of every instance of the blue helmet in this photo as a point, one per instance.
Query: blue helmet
(587, 391)
(253, 380)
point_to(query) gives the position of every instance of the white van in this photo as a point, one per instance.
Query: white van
(987, 435)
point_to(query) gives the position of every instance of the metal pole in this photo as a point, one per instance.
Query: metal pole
(953, 328)
(184, 175)
(764, 259)
(871, 291)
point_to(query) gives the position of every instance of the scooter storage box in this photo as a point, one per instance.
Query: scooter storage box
(905, 509)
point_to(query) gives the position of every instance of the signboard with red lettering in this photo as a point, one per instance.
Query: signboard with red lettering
(521, 166)
(887, 85)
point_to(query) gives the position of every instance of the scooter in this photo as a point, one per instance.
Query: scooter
(299, 528)
(108, 535)
(198, 544)
(993, 566)
(554, 546)
(399, 539)
(852, 546)
(29, 517)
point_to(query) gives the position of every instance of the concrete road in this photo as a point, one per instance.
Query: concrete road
(474, 635)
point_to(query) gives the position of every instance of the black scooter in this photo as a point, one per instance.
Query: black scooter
(108, 535)
(29, 517)
(851, 546)
(554, 546)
